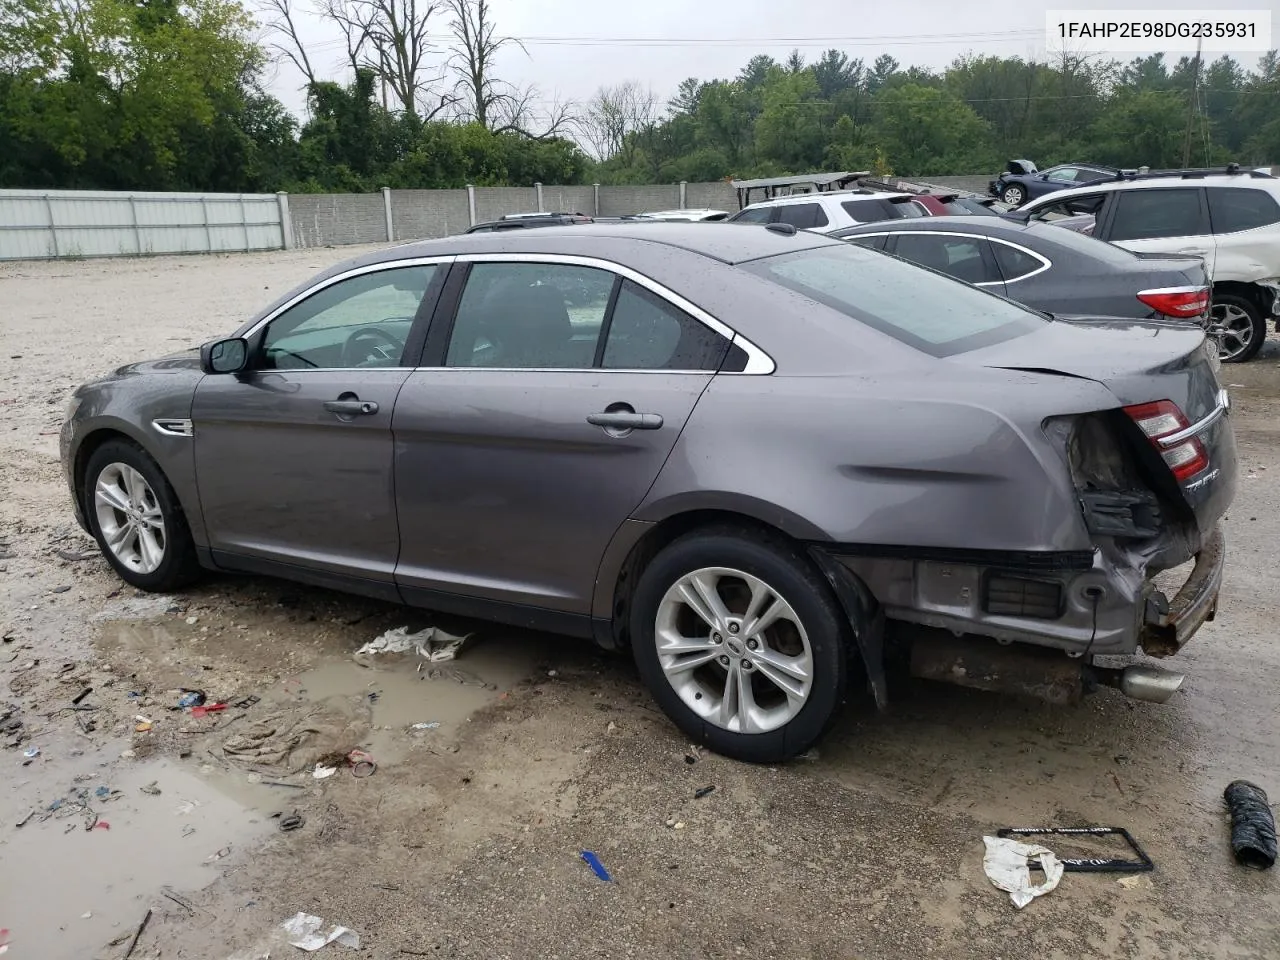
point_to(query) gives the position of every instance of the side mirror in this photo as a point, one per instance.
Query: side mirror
(224, 356)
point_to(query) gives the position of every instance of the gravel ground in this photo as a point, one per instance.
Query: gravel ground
(466, 840)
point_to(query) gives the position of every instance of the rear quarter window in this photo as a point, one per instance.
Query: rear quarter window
(802, 216)
(1157, 214)
(1232, 209)
(875, 209)
(930, 312)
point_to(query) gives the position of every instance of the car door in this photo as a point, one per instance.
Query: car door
(1059, 178)
(294, 456)
(551, 393)
(1161, 220)
(802, 216)
(962, 256)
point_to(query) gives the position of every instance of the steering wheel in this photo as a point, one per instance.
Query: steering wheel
(356, 354)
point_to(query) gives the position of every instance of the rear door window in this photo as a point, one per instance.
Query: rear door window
(1235, 208)
(1062, 175)
(645, 332)
(756, 215)
(1157, 214)
(965, 258)
(802, 216)
(873, 241)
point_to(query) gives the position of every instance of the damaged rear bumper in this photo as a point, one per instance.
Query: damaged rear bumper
(1169, 624)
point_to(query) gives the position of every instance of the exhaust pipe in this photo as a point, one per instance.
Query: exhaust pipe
(1141, 682)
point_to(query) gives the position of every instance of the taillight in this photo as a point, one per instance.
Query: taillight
(1161, 421)
(1180, 302)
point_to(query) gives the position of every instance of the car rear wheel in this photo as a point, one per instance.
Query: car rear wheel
(742, 643)
(1013, 195)
(1240, 325)
(135, 517)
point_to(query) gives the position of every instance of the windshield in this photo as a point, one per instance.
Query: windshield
(924, 309)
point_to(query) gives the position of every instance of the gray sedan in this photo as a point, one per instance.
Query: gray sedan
(758, 460)
(1046, 267)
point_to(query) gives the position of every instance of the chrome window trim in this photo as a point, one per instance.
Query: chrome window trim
(759, 363)
(347, 275)
(1045, 264)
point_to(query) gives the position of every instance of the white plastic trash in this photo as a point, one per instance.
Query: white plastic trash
(1005, 864)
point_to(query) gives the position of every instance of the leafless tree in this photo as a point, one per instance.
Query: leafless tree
(392, 38)
(283, 26)
(612, 120)
(523, 111)
(481, 96)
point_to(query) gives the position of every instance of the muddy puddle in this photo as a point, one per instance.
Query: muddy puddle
(67, 892)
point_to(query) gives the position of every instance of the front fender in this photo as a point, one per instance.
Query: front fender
(128, 404)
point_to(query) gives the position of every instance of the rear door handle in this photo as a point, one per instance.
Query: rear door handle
(626, 421)
(351, 408)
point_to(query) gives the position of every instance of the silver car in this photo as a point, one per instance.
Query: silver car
(763, 462)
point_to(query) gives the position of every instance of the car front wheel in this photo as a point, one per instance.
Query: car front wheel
(137, 520)
(1240, 326)
(741, 643)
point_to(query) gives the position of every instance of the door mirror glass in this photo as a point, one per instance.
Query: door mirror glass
(224, 356)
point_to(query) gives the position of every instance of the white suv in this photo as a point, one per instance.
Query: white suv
(831, 210)
(1230, 219)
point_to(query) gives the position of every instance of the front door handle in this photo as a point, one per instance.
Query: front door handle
(626, 420)
(351, 408)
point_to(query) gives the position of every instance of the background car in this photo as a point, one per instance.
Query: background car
(1021, 181)
(521, 221)
(691, 215)
(1229, 217)
(1057, 271)
(950, 205)
(732, 453)
(831, 210)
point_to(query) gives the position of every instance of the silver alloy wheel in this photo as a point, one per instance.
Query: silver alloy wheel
(130, 517)
(1013, 195)
(1234, 329)
(734, 650)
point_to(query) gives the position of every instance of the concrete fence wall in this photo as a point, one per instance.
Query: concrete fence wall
(67, 223)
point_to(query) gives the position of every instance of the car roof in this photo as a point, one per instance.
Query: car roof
(1153, 183)
(727, 242)
(837, 195)
(985, 226)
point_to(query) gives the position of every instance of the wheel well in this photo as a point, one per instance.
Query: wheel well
(88, 446)
(652, 543)
(1252, 292)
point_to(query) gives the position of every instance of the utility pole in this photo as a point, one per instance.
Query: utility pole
(1193, 103)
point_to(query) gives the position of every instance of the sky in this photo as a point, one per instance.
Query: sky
(572, 47)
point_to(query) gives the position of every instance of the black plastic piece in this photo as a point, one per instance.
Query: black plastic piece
(1142, 864)
(1253, 827)
(1122, 513)
(785, 229)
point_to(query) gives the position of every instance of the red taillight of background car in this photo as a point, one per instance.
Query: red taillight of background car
(1184, 303)
(1161, 421)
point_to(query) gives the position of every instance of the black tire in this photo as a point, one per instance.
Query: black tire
(785, 569)
(1230, 301)
(179, 566)
(1012, 191)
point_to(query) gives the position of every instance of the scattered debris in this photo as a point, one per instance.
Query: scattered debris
(72, 556)
(596, 866)
(1141, 864)
(178, 899)
(143, 724)
(304, 933)
(191, 698)
(219, 855)
(426, 726)
(362, 765)
(431, 644)
(322, 772)
(292, 822)
(1005, 864)
(690, 759)
(699, 794)
(151, 789)
(146, 918)
(81, 695)
(23, 822)
(31, 753)
(102, 792)
(1253, 827)
(1138, 880)
(247, 702)
(207, 709)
